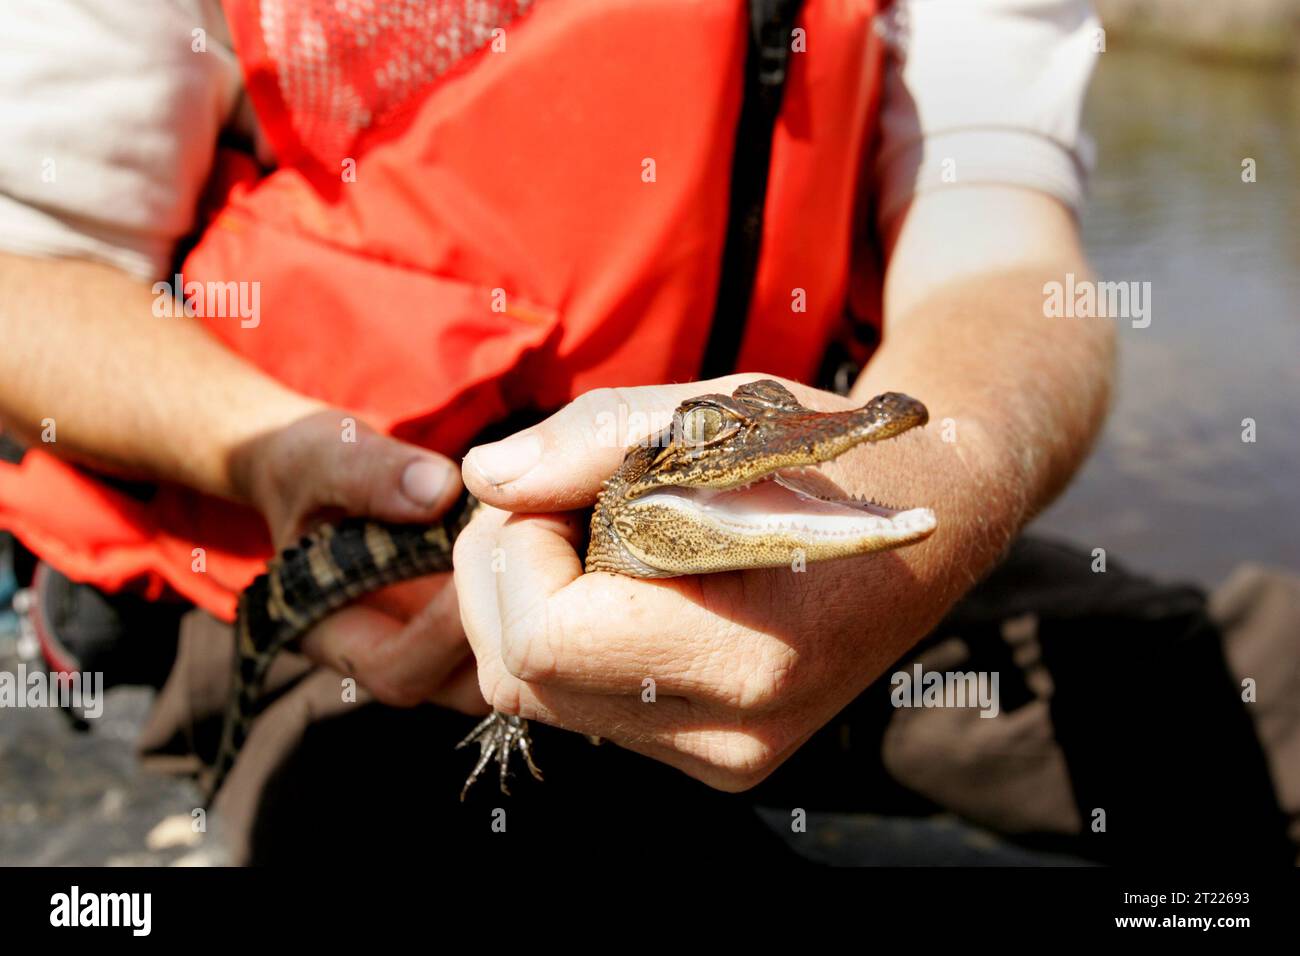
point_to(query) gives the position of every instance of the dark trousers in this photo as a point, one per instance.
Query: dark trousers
(1122, 736)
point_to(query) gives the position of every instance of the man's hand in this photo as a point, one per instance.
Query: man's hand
(744, 666)
(164, 400)
(404, 644)
(747, 665)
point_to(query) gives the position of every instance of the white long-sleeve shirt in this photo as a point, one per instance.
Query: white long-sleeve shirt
(109, 120)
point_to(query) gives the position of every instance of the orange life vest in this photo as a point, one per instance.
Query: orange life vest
(471, 217)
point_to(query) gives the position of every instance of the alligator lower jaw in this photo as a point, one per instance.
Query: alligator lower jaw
(800, 505)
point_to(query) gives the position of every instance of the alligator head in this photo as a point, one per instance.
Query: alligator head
(733, 484)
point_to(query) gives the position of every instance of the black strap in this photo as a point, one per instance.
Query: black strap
(766, 66)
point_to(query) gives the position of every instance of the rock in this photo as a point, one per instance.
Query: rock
(176, 830)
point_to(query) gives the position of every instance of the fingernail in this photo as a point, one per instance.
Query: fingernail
(506, 460)
(424, 482)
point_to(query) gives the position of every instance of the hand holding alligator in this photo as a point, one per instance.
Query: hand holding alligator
(404, 643)
(745, 664)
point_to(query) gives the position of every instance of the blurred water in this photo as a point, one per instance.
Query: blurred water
(1172, 487)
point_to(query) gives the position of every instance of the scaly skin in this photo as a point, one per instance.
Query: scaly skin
(719, 443)
(727, 487)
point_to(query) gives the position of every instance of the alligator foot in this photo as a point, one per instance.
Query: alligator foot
(498, 736)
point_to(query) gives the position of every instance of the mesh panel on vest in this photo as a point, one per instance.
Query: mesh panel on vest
(344, 66)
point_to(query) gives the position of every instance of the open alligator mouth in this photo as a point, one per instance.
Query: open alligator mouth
(799, 503)
(739, 486)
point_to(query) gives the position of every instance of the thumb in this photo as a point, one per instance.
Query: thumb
(381, 477)
(559, 464)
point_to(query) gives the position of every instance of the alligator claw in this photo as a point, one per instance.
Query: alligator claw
(498, 736)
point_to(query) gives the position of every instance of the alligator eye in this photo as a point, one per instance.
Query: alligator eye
(702, 424)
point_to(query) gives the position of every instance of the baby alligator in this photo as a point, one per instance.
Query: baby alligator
(730, 485)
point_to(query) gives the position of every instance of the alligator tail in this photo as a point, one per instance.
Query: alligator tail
(329, 569)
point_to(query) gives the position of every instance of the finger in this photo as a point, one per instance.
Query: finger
(609, 634)
(721, 748)
(476, 588)
(559, 464)
(402, 662)
(381, 477)
(342, 641)
(727, 756)
(479, 572)
(406, 599)
(460, 692)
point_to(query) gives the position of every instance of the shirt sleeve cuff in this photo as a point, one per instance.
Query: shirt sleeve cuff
(966, 157)
(31, 231)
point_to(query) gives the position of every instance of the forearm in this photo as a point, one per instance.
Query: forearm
(1016, 400)
(126, 391)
